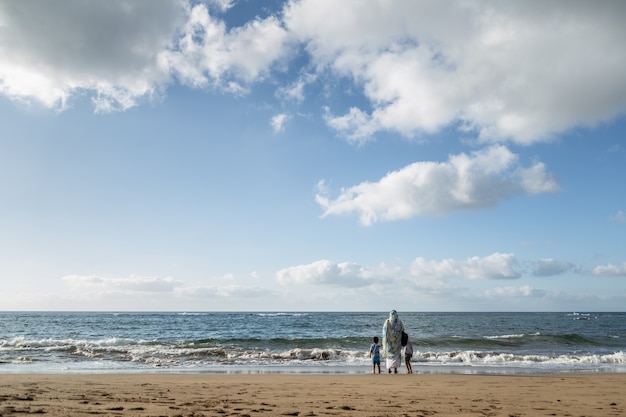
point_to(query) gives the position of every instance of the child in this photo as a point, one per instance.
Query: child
(408, 353)
(375, 355)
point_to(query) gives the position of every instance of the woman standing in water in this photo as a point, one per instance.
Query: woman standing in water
(392, 335)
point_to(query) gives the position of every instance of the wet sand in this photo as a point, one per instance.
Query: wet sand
(313, 395)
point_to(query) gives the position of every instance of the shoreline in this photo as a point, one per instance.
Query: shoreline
(355, 369)
(359, 395)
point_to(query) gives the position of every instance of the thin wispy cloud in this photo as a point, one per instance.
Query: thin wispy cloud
(133, 283)
(278, 122)
(619, 217)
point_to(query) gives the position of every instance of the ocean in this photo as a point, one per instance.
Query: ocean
(307, 342)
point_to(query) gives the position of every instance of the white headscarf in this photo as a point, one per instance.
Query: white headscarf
(392, 334)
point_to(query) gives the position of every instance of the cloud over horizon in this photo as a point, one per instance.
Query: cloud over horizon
(326, 272)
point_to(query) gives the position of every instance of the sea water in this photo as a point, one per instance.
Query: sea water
(307, 342)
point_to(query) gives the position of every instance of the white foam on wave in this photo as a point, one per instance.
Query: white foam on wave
(512, 336)
(281, 314)
(486, 358)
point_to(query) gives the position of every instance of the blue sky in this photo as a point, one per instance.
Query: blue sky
(312, 155)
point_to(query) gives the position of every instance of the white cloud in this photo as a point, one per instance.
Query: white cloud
(518, 71)
(610, 270)
(83, 280)
(355, 121)
(295, 91)
(344, 274)
(550, 267)
(278, 122)
(494, 266)
(209, 54)
(474, 181)
(222, 5)
(51, 51)
(119, 52)
(515, 292)
(535, 180)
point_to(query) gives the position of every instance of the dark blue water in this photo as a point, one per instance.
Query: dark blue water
(32, 342)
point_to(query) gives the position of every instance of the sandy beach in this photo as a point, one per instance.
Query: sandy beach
(313, 395)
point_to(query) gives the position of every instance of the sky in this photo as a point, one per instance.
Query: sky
(312, 155)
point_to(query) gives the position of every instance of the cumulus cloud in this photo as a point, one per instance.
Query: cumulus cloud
(325, 272)
(52, 51)
(518, 71)
(610, 270)
(495, 266)
(479, 180)
(119, 52)
(550, 267)
(209, 54)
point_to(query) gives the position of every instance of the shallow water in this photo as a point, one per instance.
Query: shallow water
(247, 342)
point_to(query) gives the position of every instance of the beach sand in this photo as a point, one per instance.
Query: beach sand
(313, 395)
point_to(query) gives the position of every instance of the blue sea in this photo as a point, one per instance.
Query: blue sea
(289, 342)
